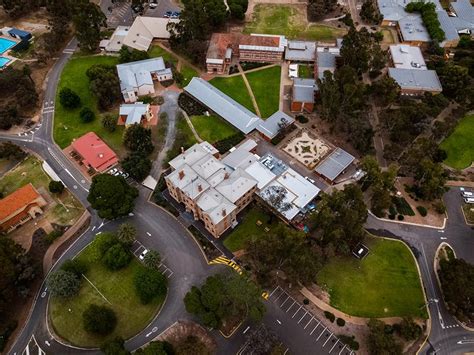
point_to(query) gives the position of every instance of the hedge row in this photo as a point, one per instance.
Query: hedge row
(430, 18)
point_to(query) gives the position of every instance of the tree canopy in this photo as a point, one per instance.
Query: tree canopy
(100, 320)
(111, 196)
(63, 284)
(381, 341)
(88, 20)
(104, 83)
(138, 139)
(149, 284)
(137, 165)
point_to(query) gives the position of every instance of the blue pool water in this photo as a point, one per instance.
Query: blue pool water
(3, 61)
(5, 44)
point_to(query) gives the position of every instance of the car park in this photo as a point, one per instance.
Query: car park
(143, 254)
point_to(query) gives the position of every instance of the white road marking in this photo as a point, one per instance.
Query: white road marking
(284, 302)
(304, 315)
(342, 350)
(317, 325)
(296, 312)
(291, 306)
(278, 321)
(148, 234)
(334, 345)
(329, 337)
(321, 333)
(280, 296)
(276, 288)
(308, 322)
(246, 330)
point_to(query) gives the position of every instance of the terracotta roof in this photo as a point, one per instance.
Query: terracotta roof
(95, 152)
(17, 200)
(262, 41)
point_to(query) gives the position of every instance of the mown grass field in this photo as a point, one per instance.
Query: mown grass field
(67, 123)
(384, 284)
(265, 86)
(212, 128)
(67, 210)
(289, 21)
(459, 145)
(234, 86)
(157, 51)
(117, 287)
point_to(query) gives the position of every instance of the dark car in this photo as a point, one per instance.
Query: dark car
(168, 14)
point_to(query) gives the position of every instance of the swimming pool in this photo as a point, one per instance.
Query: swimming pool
(6, 44)
(3, 61)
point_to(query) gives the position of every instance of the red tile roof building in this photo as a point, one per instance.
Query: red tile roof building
(251, 48)
(19, 207)
(94, 153)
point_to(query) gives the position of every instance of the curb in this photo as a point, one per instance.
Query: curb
(410, 223)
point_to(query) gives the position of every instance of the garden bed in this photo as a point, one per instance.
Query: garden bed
(207, 247)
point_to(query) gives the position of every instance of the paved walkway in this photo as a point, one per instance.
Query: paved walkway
(190, 124)
(249, 89)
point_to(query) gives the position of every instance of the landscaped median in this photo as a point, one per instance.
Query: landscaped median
(115, 289)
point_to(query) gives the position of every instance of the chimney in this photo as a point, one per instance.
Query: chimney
(199, 188)
(224, 213)
(226, 176)
(181, 174)
(182, 150)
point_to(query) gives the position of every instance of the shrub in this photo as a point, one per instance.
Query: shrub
(350, 341)
(99, 320)
(75, 266)
(87, 115)
(302, 119)
(117, 257)
(138, 139)
(149, 283)
(104, 242)
(52, 236)
(63, 284)
(422, 210)
(408, 329)
(306, 301)
(69, 99)
(152, 259)
(329, 316)
(340, 322)
(402, 206)
(439, 207)
(400, 217)
(190, 105)
(225, 144)
(391, 216)
(5, 332)
(56, 187)
(109, 122)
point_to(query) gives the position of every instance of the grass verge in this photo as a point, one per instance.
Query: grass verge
(265, 86)
(384, 284)
(117, 287)
(157, 51)
(289, 21)
(234, 86)
(212, 128)
(67, 123)
(459, 146)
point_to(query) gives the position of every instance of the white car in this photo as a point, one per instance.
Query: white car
(153, 5)
(467, 194)
(310, 180)
(143, 254)
(469, 200)
(113, 171)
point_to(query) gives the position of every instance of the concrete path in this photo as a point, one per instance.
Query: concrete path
(190, 124)
(249, 89)
(170, 107)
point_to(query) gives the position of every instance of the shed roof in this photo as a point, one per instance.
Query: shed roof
(145, 29)
(412, 79)
(134, 112)
(304, 89)
(407, 57)
(334, 164)
(272, 125)
(304, 51)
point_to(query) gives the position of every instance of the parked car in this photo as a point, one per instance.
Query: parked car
(175, 14)
(143, 254)
(125, 175)
(113, 171)
(153, 5)
(467, 194)
(168, 14)
(310, 180)
(469, 200)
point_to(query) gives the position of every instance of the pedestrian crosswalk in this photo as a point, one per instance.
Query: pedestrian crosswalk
(225, 261)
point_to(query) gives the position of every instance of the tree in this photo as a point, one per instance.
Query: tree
(127, 55)
(262, 340)
(152, 259)
(380, 341)
(11, 151)
(223, 297)
(115, 346)
(76, 267)
(318, 8)
(454, 79)
(369, 12)
(138, 139)
(87, 115)
(69, 99)
(137, 165)
(340, 219)
(117, 257)
(386, 90)
(276, 198)
(111, 196)
(56, 187)
(191, 345)
(88, 20)
(380, 201)
(127, 234)
(430, 179)
(100, 320)
(456, 277)
(104, 83)
(238, 8)
(291, 253)
(408, 329)
(156, 348)
(149, 284)
(109, 122)
(63, 284)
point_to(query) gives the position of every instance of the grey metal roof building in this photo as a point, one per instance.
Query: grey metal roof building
(301, 51)
(304, 89)
(271, 126)
(223, 105)
(464, 22)
(135, 74)
(326, 61)
(416, 80)
(334, 164)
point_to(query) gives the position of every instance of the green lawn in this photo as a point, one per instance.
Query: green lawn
(188, 74)
(247, 228)
(265, 85)
(234, 86)
(117, 287)
(459, 145)
(67, 123)
(31, 171)
(289, 21)
(384, 284)
(305, 71)
(157, 51)
(212, 128)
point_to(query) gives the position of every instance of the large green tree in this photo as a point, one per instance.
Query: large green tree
(99, 320)
(149, 284)
(111, 196)
(137, 165)
(430, 180)
(63, 284)
(380, 341)
(138, 139)
(340, 218)
(104, 83)
(126, 234)
(223, 297)
(88, 20)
